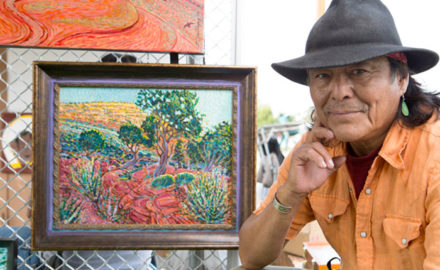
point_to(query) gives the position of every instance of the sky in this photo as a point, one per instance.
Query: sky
(268, 33)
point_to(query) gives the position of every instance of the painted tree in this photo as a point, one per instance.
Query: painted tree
(172, 115)
(91, 141)
(134, 138)
(179, 153)
(213, 148)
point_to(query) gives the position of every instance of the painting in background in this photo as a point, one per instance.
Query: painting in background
(8, 254)
(130, 25)
(3, 258)
(150, 157)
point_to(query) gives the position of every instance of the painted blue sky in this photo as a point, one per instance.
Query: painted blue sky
(215, 104)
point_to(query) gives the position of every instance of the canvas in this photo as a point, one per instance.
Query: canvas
(153, 25)
(161, 155)
(145, 156)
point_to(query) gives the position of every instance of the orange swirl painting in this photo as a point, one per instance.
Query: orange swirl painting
(129, 25)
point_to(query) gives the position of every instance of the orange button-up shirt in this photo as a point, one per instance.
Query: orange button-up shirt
(395, 223)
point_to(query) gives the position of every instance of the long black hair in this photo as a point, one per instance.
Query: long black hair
(421, 104)
(274, 147)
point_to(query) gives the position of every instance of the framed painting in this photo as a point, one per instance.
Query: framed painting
(8, 254)
(142, 156)
(153, 25)
(16, 143)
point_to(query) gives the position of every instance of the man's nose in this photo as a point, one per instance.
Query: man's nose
(341, 87)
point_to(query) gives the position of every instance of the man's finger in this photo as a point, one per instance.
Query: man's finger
(320, 134)
(339, 161)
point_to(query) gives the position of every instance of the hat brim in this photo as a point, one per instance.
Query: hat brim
(419, 60)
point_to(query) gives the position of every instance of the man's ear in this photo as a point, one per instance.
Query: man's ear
(403, 81)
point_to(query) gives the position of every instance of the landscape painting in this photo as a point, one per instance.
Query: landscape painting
(144, 157)
(130, 25)
(141, 156)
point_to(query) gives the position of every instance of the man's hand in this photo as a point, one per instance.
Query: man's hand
(311, 164)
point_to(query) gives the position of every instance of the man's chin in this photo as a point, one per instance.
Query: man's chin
(346, 136)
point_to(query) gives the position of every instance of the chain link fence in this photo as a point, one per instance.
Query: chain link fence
(15, 181)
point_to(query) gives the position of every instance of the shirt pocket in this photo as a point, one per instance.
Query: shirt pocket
(327, 208)
(402, 230)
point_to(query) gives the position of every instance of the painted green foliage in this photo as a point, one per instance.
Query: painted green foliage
(86, 178)
(172, 115)
(91, 140)
(133, 138)
(207, 199)
(70, 210)
(183, 178)
(163, 181)
(167, 180)
(213, 147)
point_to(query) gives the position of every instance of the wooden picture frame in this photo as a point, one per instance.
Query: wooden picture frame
(8, 253)
(142, 156)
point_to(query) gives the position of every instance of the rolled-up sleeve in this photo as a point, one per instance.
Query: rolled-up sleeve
(304, 214)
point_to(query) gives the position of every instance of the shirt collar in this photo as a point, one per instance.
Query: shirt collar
(394, 144)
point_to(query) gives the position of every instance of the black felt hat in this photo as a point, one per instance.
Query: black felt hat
(352, 31)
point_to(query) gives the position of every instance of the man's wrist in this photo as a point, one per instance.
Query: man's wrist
(286, 197)
(283, 209)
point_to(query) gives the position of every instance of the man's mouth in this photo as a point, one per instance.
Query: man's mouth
(342, 113)
(347, 111)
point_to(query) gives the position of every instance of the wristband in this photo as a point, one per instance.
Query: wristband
(279, 207)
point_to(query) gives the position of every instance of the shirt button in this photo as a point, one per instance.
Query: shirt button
(368, 191)
(363, 234)
(404, 241)
(330, 216)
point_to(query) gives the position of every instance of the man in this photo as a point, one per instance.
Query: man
(369, 170)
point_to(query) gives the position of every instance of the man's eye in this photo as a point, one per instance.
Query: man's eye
(321, 76)
(358, 71)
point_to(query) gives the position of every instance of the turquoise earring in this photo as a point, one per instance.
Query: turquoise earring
(405, 110)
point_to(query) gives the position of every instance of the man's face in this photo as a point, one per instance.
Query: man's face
(357, 102)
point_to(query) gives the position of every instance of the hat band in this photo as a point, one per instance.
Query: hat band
(399, 56)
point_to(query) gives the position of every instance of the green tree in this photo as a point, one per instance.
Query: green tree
(133, 138)
(172, 115)
(265, 116)
(91, 141)
(213, 148)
